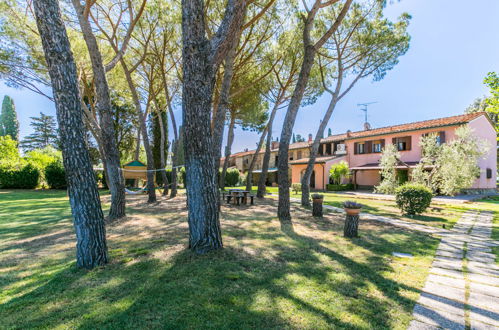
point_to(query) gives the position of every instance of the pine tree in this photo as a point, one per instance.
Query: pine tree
(156, 140)
(8, 119)
(329, 133)
(294, 138)
(45, 133)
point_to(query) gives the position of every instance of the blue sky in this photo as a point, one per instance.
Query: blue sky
(454, 44)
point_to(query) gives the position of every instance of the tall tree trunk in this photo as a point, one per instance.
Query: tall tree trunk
(202, 191)
(201, 58)
(223, 104)
(173, 191)
(249, 175)
(103, 105)
(310, 50)
(228, 148)
(287, 130)
(137, 146)
(267, 132)
(305, 181)
(262, 188)
(151, 190)
(163, 153)
(91, 247)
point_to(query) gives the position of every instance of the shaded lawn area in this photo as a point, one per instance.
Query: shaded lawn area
(303, 275)
(437, 214)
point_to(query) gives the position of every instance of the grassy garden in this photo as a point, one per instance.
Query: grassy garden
(304, 275)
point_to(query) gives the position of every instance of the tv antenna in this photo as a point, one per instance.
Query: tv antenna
(364, 108)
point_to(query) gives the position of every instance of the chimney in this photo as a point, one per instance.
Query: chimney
(246, 150)
(349, 133)
(310, 138)
(274, 145)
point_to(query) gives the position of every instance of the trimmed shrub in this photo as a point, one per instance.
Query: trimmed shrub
(296, 187)
(25, 178)
(339, 187)
(413, 198)
(55, 175)
(232, 177)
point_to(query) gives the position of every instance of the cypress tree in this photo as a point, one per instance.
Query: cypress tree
(8, 119)
(156, 140)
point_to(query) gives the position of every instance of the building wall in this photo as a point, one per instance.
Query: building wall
(321, 172)
(320, 180)
(483, 129)
(367, 177)
(413, 155)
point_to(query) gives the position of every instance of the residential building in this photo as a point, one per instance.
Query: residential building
(362, 151)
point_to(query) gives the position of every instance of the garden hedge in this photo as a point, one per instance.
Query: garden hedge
(27, 177)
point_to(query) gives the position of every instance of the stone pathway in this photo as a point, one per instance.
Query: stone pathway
(462, 290)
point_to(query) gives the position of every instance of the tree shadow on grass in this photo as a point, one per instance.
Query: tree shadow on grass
(268, 277)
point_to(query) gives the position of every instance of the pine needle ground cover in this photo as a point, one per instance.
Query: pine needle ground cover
(269, 275)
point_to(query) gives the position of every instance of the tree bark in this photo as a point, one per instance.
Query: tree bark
(173, 191)
(287, 130)
(317, 208)
(310, 50)
(228, 148)
(111, 156)
(262, 189)
(91, 247)
(201, 58)
(151, 190)
(137, 147)
(305, 181)
(267, 132)
(163, 153)
(249, 175)
(351, 227)
(223, 104)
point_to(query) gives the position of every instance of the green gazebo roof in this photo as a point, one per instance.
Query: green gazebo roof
(135, 163)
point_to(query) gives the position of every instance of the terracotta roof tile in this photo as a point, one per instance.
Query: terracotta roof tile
(446, 121)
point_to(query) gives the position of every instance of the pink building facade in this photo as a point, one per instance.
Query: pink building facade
(364, 148)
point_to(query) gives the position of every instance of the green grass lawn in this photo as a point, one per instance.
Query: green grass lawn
(269, 275)
(437, 215)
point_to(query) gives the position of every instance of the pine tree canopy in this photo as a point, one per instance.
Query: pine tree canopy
(45, 133)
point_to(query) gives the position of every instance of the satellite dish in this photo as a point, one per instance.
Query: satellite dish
(367, 126)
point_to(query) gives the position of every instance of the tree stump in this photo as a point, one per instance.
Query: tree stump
(317, 208)
(351, 226)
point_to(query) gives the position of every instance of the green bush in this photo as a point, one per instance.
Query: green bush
(339, 187)
(296, 187)
(25, 178)
(232, 177)
(413, 198)
(55, 175)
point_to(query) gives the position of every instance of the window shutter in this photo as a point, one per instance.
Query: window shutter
(409, 142)
(369, 147)
(355, 148)
(382, 144)
(442, 137)
(394, 141)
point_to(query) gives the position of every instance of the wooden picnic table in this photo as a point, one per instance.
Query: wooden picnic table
(235, 193)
